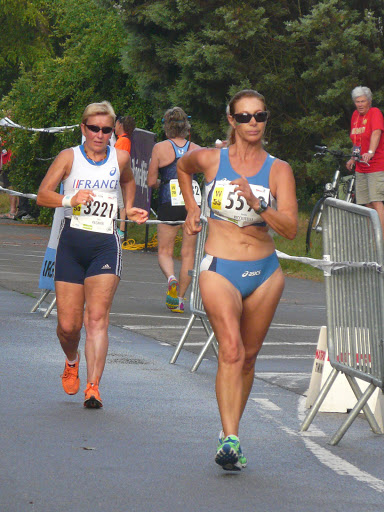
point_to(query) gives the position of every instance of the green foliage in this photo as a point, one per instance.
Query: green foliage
(85, 68)
(305, 57)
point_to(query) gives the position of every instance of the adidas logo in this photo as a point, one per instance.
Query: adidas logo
(106, 267)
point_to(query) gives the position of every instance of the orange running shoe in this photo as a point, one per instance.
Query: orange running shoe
(92, 397)
(70, 378)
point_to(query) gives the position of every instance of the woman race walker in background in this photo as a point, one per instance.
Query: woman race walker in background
(162, 173)
(367, 135)
(88, 258)
(241, 281)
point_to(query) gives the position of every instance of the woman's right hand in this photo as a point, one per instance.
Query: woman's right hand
(82, 197)
(192, 223)
(350, 164)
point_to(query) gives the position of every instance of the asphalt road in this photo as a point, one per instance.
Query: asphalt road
(286, 358)
(151, 447)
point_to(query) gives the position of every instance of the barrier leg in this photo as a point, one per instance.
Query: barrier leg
(353, 414)
(50, 307)
(182, 339)
(44, 294)
(319, 400)
(206, 326)
(367, 410)
(202, 353)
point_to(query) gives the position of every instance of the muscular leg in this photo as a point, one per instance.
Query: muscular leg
(254, 327)
(187, 261)
(166, 235)
(70, 311)
(99, 292)
(225, 321)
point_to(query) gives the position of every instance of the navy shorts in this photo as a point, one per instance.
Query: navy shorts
(81, 254)
(246, 276)
(168, 212)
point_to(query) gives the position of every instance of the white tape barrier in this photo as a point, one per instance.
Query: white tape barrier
(53, 129)
(19, 194)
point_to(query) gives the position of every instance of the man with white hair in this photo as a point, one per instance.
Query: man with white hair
(367, 135)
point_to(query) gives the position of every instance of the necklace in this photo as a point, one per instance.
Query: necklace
(95, 161)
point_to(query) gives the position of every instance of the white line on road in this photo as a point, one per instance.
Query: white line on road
(326, 457)
(266, 404)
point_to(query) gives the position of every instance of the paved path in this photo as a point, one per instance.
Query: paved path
(139, 306)
(151, 448)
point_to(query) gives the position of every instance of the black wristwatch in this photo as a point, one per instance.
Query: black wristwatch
(262, 206)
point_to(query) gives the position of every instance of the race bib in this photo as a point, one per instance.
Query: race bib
(177, 197)
(228, 205)
(98, 216)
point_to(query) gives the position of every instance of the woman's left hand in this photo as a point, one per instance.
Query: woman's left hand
(243, 189)
(138, 215)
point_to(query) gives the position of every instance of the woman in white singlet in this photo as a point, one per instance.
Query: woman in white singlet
(88, 258)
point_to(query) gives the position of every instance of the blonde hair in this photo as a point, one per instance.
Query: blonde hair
(176, 123)
(95, 109)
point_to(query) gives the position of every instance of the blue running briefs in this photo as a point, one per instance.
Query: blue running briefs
(246, 276)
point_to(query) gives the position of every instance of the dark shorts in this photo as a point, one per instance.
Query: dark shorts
(168, 212)
(246, 276)
(81, 254)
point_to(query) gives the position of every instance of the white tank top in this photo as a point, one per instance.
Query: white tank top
(86, 175)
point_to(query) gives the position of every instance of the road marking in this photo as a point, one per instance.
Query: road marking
(326, 457)
(266, 404)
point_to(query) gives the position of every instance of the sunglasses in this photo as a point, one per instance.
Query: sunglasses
(96, 129)
(244, 117)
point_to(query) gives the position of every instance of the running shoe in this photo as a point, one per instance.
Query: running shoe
(92, 397)
(70, 377)
(120, 233)
(227, 455)
(242, 459)
(172, 300)
(179, 308)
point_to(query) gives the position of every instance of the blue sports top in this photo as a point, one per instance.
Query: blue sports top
(226, 173)
(168, 173)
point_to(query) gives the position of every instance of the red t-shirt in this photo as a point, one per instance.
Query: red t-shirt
(123, 142)
(361, 131)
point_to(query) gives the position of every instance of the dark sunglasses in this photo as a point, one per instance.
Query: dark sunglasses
(244, 117)
(96, 129)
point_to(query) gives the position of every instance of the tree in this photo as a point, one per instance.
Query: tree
(84, 68)
(25, 38)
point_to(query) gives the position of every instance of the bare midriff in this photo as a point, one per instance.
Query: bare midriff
(228, 241)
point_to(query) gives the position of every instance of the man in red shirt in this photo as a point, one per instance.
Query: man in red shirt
(367, 135)
(123, 129)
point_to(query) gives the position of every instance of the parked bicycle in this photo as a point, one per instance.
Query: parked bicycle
(341, 187)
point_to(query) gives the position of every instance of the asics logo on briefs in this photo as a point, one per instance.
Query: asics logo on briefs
(106, 267)
(112, 172)
(247, 273)
(108, 184)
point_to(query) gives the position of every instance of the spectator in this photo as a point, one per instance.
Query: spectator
(367, 135)
(124, 128)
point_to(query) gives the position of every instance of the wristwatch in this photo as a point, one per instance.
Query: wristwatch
(262, 206)
(371, 152)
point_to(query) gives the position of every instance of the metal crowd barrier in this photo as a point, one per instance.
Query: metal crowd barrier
(196, 303)
(354, 301)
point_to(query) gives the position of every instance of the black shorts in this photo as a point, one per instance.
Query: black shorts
(168, 212)
(81, 254)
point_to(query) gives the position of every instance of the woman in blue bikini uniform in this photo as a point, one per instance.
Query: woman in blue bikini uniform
(241, 281)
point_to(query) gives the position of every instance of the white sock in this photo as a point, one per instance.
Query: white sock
(170, 278)
(71, 363)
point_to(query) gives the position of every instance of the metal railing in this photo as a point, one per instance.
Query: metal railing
(196, 303)
(352, 235)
